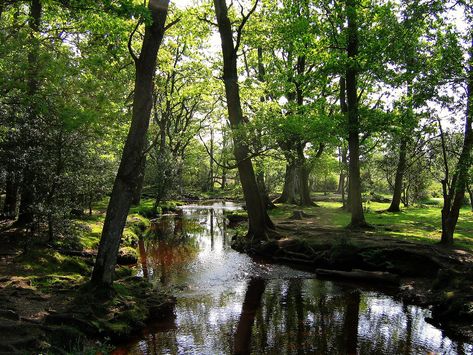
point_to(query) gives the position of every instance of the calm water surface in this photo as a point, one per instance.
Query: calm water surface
(228, 303)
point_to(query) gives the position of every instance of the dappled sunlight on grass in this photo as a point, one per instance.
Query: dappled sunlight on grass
(420, 224)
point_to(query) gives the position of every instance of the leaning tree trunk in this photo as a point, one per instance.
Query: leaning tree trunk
(127, 177)
(453, 201)
(259, 221)
(27, 200)
(401, 167)
(357, 215)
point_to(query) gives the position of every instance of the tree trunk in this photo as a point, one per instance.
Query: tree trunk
(27, 200)
(454, 200)
(139, 183)
(127, 176)
(289, 190)
(259, 221)
(11, 196)
(357, 215)
(344, 152)
(470, 193)
(401, 167)
(304, 173)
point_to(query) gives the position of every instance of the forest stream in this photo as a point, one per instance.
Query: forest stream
(229, 303)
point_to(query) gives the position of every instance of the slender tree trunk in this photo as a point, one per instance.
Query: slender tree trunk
(251, 304)
(453, 199)
(401, 167)
(357, 215)
(11, 196)
(127, 176)
(211, 172)
(344, 152)
(260, 174)
(259, 221)
(470, 193)
(26, 215)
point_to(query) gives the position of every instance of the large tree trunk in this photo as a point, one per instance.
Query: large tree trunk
(453, 200)
(132, 157)
(304, 172)
(288, 194)
(11, 196)
(401, 167)
(357, 215)
(259, 221)
(26, 215)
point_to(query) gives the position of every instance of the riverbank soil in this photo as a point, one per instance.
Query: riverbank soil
(46, 304)
(427, 274)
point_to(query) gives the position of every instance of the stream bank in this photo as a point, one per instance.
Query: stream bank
(429, 276)
(46, 304)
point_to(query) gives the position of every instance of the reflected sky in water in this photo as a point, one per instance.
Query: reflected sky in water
(228, 303)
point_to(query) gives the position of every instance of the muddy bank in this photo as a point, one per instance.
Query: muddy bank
(426, 275)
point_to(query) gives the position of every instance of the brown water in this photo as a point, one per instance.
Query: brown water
(227, 302)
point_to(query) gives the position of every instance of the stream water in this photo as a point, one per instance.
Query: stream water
(228, 303)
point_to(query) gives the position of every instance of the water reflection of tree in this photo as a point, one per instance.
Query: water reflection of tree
(168, 249)
(251, 305)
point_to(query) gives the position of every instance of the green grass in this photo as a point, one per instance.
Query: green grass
(421, 224)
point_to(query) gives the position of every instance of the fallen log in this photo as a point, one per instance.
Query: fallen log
(357, 274)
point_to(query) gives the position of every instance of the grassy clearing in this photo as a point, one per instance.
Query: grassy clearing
(421, 224)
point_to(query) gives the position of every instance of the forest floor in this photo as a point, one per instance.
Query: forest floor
(401, 246)
(45, 303)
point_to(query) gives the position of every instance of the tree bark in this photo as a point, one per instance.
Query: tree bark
(139, 183)
(128, 171)
(344, 152)
(259, 221)
(288, 194)
(454, 199)
(470, 193)
(357, 215)
(304, 172)
(401, 167)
